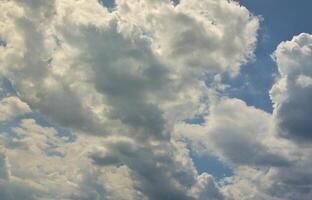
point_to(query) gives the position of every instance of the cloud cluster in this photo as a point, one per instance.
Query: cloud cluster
(236, 133)
(116, 67)
(269, 153)
(124, 79)
(125, 75)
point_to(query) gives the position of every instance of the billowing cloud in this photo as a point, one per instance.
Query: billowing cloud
(269, 153)
(11, 107)
(292, 92)
(124, 79)
(234, 132)
(126, 73)
(119, 66)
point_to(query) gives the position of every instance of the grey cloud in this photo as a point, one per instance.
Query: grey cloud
(294, 114)
(126, 75)
(110, 55)
(15, 190)
(121, 74)
(11, 107)
(290, 97)
(292, 182)
(11, 189)
(157, 173)
(235, 133)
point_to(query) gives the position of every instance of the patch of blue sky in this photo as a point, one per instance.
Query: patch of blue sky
(212, 165)
(209, 164)
(109, 4)
(6, 88)
(175, 2)
(197, 119)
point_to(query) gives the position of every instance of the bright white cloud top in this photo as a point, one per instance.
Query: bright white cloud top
(124, 81)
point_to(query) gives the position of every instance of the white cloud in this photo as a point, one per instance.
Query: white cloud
(11, 107)
(265, 165)
(120, 65)
(133, 74)
(128, 78)
(291, 93)
(268, 152)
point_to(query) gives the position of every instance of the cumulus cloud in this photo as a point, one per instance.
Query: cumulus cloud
(119, 66)
(161, 171)
(292, 91)
(128, 74)
(234, 132)
(11, 107)
(266, 166)
(37, 160)
(124, 80)
(268, 152)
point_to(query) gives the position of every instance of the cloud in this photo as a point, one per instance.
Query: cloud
(37, 160)
(266, 166)
(86, 171)
(129, 63)
(160, 171)
(10, 188)
(268, 152)
(292, 91)
(128, 78)
(11, 107)
(232, 134)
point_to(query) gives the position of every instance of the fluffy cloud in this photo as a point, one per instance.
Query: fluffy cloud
(232, 134)
(128, 77)
(119, 66)
(266, 166)
(161, 171)
(292, 92)
(11, 107)
(268, 152)
(128, 74)
(37, 159)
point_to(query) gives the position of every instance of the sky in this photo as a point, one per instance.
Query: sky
(155, 100)
(281, 20)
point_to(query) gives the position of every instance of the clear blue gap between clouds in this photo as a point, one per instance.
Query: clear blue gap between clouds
(109, 4)
(209, 164)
